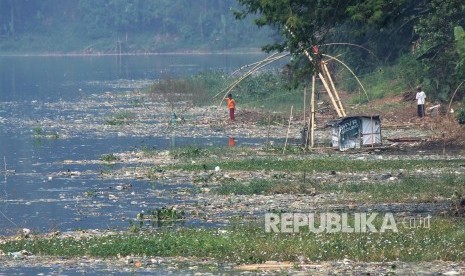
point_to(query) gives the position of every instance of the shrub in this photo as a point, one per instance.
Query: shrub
(461, 116)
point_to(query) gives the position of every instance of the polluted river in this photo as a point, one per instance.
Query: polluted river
(84, 151)
(53, 136)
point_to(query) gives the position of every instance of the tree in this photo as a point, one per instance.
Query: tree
(301, 23)
(389, 28)
(304, 25)
(439, 51)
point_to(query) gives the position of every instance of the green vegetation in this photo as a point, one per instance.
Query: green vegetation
(267, 89)
(319, 164)
(109, 157)
(263, 186)
(90, 194)
(409, 189)
(199, 152)
(461, 116)
(190, 152)
(120, 118)
(428, 33)
(291, 174)
(39, 133)
(444, 240)
(155, 217)
(149, 152)
(426, 40)
(436, 61)
(461, 113)
(161, 214)
(275, 93)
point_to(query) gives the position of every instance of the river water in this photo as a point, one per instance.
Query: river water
(37, 190)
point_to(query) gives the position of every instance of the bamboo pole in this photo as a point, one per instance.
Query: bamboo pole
(322, 79)
(305, 101)
(352, 72)
(260, 65)
(372, 132)
(307, 138)
(257, 64)
(312, 115)
(333, 101)
(288, 129)
(325, 84)
(338, 100)
(268, 132)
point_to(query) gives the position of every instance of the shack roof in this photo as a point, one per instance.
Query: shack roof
(336, 122)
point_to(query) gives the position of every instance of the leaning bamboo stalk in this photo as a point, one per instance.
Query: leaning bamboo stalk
(258, 63)
(312, 110)
(258, 66)
(234, 84)
(333, 101)
(321, 77)
(338, 100)
(246, 75)
(288, 130)
(352, 72)
(241, 78)
(255, 63)
(325, 84)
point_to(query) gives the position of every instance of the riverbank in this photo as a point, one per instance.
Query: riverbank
(238, 51)
(222, 191)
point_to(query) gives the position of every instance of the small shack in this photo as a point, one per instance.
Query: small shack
(355, 131)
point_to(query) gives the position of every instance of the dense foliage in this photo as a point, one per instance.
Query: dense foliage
(130, 25)
(421, 29)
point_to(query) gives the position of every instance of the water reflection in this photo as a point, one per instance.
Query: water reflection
(231, 142)
(173, 140)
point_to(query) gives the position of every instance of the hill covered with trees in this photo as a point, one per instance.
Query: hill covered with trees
(124, 25)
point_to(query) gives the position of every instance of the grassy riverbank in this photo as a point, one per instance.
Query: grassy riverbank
(362, 180)
(444, 240)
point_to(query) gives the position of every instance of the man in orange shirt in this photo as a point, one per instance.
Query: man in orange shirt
(231, 106)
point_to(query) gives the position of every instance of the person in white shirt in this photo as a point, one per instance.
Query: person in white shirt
(421, 97)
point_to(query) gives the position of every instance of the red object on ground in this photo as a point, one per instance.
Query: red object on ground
(232, 142)
(231, 114)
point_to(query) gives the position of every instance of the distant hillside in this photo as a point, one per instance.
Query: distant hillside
(111, 26)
